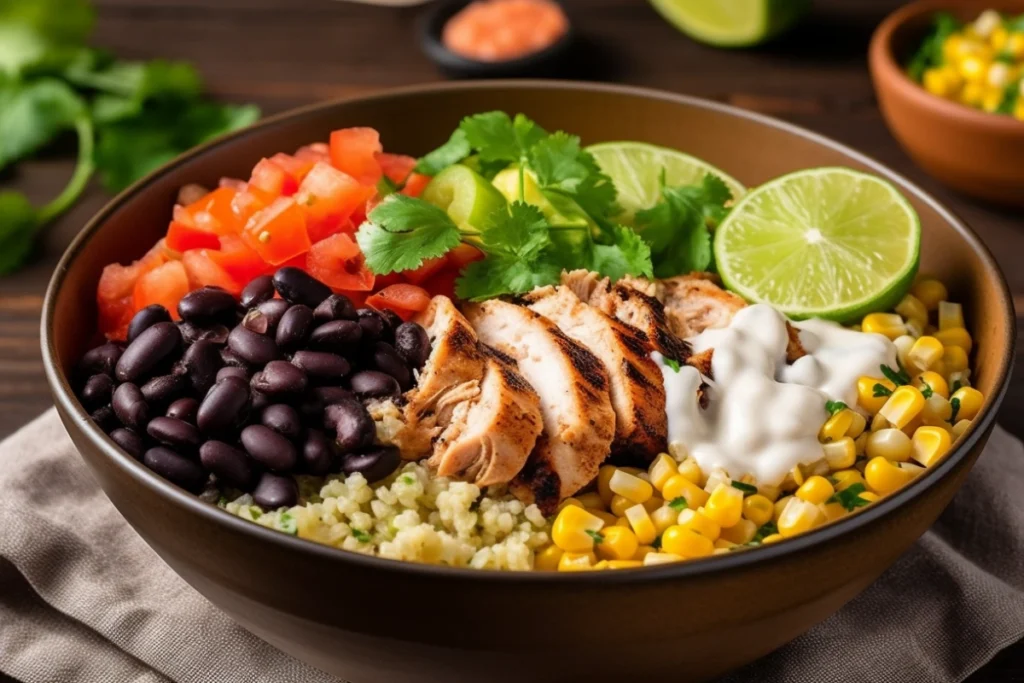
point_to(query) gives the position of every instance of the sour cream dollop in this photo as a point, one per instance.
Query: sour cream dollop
(762, 416)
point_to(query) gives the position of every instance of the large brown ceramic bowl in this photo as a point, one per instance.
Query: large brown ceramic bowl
(369, 619)
(968, 149)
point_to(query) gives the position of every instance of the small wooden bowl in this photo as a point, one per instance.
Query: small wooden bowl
(978, 153)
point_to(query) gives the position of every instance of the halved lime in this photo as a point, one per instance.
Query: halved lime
(635, 168)
(732, 23)
(825, 242)
(466, 195)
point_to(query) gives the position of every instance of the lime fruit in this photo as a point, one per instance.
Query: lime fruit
(635, 168)
(732, 23)
(465, 195)
(824, 242)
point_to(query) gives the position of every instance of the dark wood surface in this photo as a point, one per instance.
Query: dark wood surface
(285, 53)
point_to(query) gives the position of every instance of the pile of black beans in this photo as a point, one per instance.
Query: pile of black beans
(254, 391)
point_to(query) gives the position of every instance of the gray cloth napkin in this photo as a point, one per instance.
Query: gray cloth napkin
(84, 599)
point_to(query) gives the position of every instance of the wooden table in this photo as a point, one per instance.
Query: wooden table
(284, 53)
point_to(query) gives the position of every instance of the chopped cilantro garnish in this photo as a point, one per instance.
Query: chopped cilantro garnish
(955, 403)
(834, 407)
(748, 489)
(881, 390)
(897, 377)
(678, 503)
(767, 529)
(849, 497)
(596, 535)
(407, 479)
(287, 524)
(673, 363)
(656, 543)
(926, 390)
(222, 501)
(956, 385)
(361, 535)
(386, 186)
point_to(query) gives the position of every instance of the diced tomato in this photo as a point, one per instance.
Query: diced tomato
(383, 281)
(278, 232)
(318, 151)
(114, 317)
(245, 204)
(329, 197)
(270, 177)
(182, 237)
(339, 264)
(202, 270)
(293, 166)
(405, 300)
(442, 283)
(232, 184)
(396, 167)
(156, 256)
(429, 267)
(213, 212)
(240, 262)
(464, 254)
(164, 285)
(354, 151)
(415, 184)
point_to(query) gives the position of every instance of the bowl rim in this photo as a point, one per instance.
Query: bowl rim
(888, 73)
(72, 410)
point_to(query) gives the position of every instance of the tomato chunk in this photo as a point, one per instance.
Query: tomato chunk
(240, 262)
(183, 236)
(268, 176)
(415, 185)
(429, 267)
(354, 151)
(329, 197)
(339, 264)
(213, 212)
(247, 203)
(464, 254)
(442, 283)
(203, 271)
(318, 151)
(296, 168)
(396, 167)
(164, 285)
(278, 232)
(405, 300)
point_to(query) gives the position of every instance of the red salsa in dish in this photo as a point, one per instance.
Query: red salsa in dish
(499, 30)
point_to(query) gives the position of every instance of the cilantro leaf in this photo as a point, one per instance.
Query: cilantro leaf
(678, 503)
(497, 137)
(556, 162)
(125, 87)
(361, 536)
(955, 403)
(596, 535)
(35, 32)
(766, 529)
(929, 54)
(33, 114)
(628, 255)
(386, 186)
(748, 489)
(497, 275)
(880, 390)
(834, 407)
(17, 228)
(402, 231)
(849, 497)
(452, 152)
(897, 377)
(673, 363)
(926, 390)
(520, 231)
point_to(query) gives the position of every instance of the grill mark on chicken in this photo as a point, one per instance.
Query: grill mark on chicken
(702, 361)
(539, 482)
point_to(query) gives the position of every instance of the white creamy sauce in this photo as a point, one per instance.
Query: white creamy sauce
(763, 416)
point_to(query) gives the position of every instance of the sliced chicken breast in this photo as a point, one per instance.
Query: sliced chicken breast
(635, 381)
(575, 400)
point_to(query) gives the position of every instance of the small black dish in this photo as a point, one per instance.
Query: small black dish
(547, 62)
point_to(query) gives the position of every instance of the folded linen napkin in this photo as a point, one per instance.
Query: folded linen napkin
(84, 599)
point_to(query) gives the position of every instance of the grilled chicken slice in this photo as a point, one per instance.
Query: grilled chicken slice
(631, 305)
(579, 423)
(488, 439)
(635, 381)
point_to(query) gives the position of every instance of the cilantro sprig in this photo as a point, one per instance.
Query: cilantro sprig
(596, 535)
(849, 497)
(834, 407)
(898, 377)
(955, 405)
(748, 489)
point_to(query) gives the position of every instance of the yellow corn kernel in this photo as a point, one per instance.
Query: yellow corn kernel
(909, 428)
(861, 442)
(931, 380)
(797, 475)
(912, 308)
(846, 478)
(758, 509)
(891, 444)
(740, 533)
(601, 565)
(569, 532)
(664, 517)
(832, 511)
(878, 423)
(930, 444)
(970, 400)
(1018, 109)
(956, 336)
(818, 468)
(998, 38)
(591, 500)
(836, 426)
(959, 428)
(960, 379)
(624, 564)
(993, 97)
(604, 475)
(951, 315)
(548, 558)
(866, 397)
(857, 425)
(937, 411)
(698, 521)
(569, 501)
(686, 542)
(903, 345)
(903, 406)
(973, 68)
(641, 524)
(798, 517)
(929, 292)
(937, 82)
(771, 538)
(678, 486)
(1015, 45)
(887, 324)
(619, 543)
(925, 352)
(915, 328)
(606, 516)
(839, 454)
(869, 496)
(780, 505)
(972, 94)
(722, 544)
(998, 77)
(622, 521)
(772, 493)
(987, 22)
(884, 477)
(815, 490)
(692, 471)
(952, 47)
(661, 470)
(620, 504)
(954, 358)
(714, 479)
(653, 503)
(661, 558)
(643, 551)
(630, 486)
(725, 505)
(576, 562)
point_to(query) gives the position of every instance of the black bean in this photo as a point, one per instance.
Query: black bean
(299, 287)
(311, 409)
(387, 360)
(351, 423)
(191, 333)
(202, 364)
(280, 377)
(229, 464)
(258, 290)
(184, 409)
(412, 344)
(225, 406)
(283, 419)
(259, 400)
(372, 323)
(255, 321)
(337, 335)
(335, 307)
(294, 327)
(207, 305)
(269, 448)
(329, 395)
(175, 468)
(374, 465)
(145, 319)
(232, 371)
(318, 453)
(154, 348)
(102, 359)
(161, 391)
(253, 348)
(130, 406)
(273, 310)
(322, 365)
(178, 434)
(105, 418)
(392, 320)
(97, 391)
(130, 442)
(374, 384)
(274, 491)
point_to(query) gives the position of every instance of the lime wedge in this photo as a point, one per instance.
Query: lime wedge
(635, 168)
(468, 197)
(825, 242)
(732, 23)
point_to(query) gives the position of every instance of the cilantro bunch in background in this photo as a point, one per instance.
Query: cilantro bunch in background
(129, 117)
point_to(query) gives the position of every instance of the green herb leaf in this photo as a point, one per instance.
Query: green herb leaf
(929, 54)
(402, 232)
(497, 137)
(834, 407)
(766, 529)
(33, 114)
(957, 384)
(287, 524)
(880, 390)
(452, 152)
(628, 254)
(34, 32)
(18, 224)
(596, 535)
(386, 186)
(955, 403)
(926, 390)
(678, 503)
(672, 363)
(361, 536)
(849, 497)
(897, 377)
(748, 489)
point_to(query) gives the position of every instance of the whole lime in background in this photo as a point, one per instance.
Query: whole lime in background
(732, 23)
